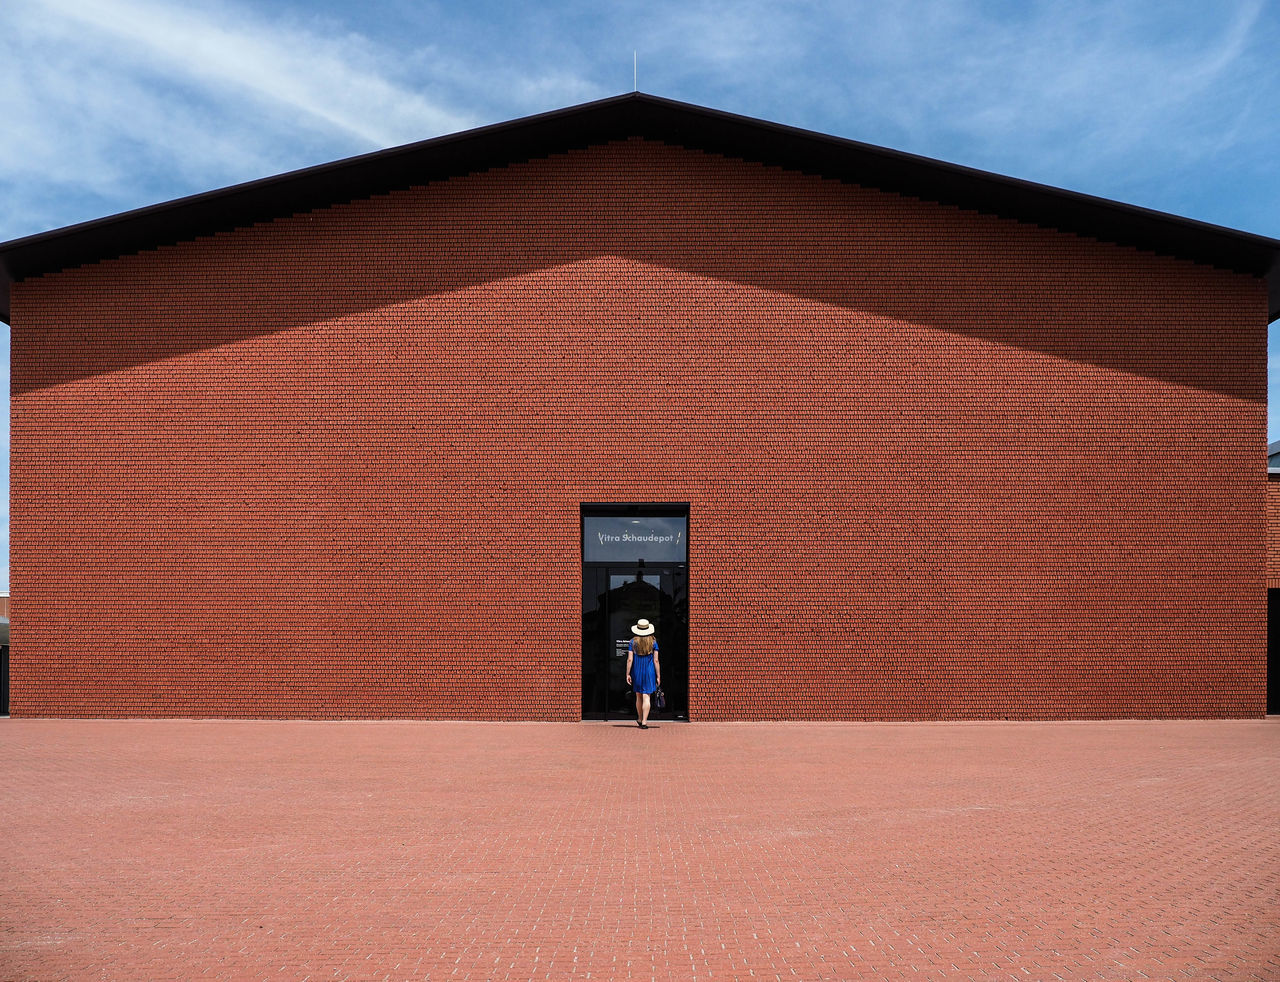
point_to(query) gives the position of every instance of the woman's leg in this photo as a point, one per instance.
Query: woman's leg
(639, 715)
(644, 712)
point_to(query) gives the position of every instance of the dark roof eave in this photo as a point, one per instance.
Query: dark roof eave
(636, 114)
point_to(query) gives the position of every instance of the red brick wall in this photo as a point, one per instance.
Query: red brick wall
(940, 465)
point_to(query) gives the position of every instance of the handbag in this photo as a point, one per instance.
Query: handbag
(660, 698)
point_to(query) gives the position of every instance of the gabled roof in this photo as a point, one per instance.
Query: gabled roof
(636, 114)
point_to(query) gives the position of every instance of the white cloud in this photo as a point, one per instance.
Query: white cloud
(113, 104)
(1099, 75)
(128, 101)
(332, 82)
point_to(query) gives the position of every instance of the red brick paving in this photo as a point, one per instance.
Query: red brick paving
(268, 850)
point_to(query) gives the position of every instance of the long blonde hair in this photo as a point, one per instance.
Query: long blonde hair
(643, 645)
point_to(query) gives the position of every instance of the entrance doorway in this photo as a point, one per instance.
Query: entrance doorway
(1273, 651)
(629, 572)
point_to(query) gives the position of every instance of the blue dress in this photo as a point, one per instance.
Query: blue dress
(643, 677)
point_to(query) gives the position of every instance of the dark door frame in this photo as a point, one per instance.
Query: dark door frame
(596, 587)
(1273, 651)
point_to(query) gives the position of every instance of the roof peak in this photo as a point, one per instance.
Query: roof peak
(646, 115)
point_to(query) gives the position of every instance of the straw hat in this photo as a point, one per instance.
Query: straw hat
(642, 628)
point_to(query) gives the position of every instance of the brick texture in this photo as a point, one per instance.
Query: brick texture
(939, 464)
(1108, 851)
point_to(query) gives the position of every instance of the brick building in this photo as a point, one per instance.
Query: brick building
(420, 433)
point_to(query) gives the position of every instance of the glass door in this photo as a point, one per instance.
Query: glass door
(634, 565)
(631, 596)
(614, 598)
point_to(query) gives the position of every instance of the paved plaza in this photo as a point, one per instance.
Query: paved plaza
(153, 850)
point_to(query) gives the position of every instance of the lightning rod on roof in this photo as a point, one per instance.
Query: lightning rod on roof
(635, 73)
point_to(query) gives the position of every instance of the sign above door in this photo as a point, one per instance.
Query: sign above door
(628, 539)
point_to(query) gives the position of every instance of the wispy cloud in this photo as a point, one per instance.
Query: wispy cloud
(117, 97)
(1086, 94)
(329, 82)
(1103, 83)
(110, 104)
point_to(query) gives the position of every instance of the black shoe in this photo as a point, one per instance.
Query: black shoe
(644, 726)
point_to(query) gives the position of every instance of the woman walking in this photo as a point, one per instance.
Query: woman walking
(642, 656)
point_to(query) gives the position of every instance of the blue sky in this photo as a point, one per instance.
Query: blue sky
(114, 104)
